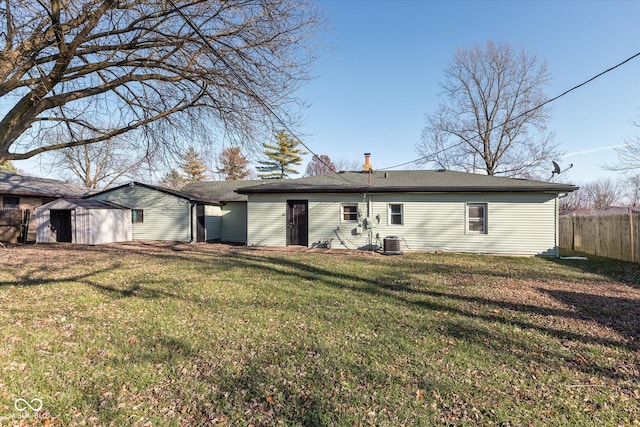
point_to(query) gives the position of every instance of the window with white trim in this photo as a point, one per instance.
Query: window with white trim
(395, 214)
(477, 218)
(349, 212)
(10, 202)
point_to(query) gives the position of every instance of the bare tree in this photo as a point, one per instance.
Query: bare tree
(100, 165)
(347, 165)
(95, 69)
(601, 194)
(573, 201)
(320, 165)
(490, 118)
(631, 190)
(628, 155)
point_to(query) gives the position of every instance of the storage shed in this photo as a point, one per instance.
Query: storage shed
(90, 222)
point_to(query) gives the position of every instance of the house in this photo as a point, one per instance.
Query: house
(415, 210)
(20, 195)
(83, 221)
(159, 213)
(202, 211)
(226, 221)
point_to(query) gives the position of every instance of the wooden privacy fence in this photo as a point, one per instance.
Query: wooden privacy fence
(611, 236)
(10, 225)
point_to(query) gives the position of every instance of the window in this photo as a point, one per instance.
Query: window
(395, 214)
(10, 202)
(349, 212)
(477, 218)
(137, 216)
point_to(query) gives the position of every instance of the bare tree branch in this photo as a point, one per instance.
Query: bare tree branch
(488, 121)
(102, 68)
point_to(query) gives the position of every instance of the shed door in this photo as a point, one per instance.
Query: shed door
(61, 224)
(297, 228)
(200, 226)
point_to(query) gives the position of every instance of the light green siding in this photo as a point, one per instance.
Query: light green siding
(233, 227)
(166, 217)
(517, 223)
(212, 222)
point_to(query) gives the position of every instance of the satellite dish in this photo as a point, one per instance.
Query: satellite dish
(556, 168)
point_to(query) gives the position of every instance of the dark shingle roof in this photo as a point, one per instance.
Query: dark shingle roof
(180, 194)
(405, 181)
(82, 203)
(39, 187)
(220, 191)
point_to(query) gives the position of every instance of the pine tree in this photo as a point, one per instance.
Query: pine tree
(7, 166)
(173, 180)
(193, 166)
(234, 164)
(280, 157)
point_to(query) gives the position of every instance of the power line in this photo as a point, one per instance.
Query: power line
(525, 113)
(248, 87)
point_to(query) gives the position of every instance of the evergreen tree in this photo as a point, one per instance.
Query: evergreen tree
(234, 164)
(7, 166)
(280, 157)
(193, 166)
(173, 180)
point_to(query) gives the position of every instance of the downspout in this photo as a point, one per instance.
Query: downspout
(191, 205)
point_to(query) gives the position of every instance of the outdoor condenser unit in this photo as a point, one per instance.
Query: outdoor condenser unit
(391, 245)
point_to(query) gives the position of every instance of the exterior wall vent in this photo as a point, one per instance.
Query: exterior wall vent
(391, 245)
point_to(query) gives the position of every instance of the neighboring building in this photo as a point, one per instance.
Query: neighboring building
(422, 210)
(25, 193)
(90, 222)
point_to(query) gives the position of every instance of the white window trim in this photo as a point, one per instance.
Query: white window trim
(389, 214)
(485, 219)
(348, 221)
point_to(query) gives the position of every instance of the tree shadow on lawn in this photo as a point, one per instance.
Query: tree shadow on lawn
(485, 309)
(40, 276)
(620, 271)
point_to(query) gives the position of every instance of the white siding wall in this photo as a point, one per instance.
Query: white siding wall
(233, 227)
(109, 225)
(517, 223)
(43, 232)
(166, 217)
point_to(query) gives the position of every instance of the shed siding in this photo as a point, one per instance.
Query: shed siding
(517, 223)
(166, 217)
(233, 226)
(212, 222)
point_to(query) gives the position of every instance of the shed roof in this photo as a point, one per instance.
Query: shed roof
(221, 191)
(408, 181)
(20, 185)
(180, 194)
(67, 204)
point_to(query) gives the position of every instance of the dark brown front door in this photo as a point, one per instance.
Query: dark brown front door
(200, 225)
(61, 224)
(297, 229)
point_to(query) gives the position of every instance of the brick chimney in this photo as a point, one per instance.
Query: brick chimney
(367, 164)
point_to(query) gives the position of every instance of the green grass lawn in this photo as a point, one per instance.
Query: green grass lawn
(209, 334)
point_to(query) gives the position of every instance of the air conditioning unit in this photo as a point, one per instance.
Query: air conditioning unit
(391, 245)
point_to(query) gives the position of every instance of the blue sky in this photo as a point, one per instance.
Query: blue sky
(382, 62)
(381, 73)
